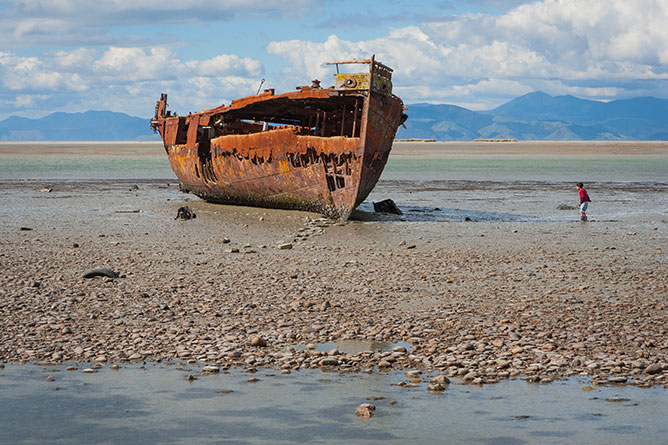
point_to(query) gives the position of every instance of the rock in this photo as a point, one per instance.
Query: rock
(387, 206)
(469, 377)
(259, 341)
(517, 350)
(25, 229)
(384, 364)
(66, 330)
(399, 349)
(617, 379)
(185, 213)
(101, 272)
(190, 377)
(497, 342)
(115, 367)
(211, 369)
(566, 207)
(653, 369)
(88, 371)
(365, 410)
(329, 362)
(78, 350)
(438, 383)
(441, 380)
(325, 305)
(135, 356)
(285, 246)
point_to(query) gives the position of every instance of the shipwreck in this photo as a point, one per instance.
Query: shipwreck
(315, 149)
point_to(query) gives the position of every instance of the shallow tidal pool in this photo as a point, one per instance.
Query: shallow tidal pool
(155, 403)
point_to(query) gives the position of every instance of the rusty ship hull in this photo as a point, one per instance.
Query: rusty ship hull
(315, 149)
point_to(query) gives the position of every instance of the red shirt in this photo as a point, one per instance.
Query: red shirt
(584, 197)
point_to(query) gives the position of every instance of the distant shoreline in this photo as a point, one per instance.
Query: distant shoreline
(399, 148)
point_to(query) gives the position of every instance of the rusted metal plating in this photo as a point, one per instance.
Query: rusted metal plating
(313, 149)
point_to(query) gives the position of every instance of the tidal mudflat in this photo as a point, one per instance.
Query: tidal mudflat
(485, 281)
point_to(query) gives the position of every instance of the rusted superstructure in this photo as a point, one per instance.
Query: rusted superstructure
(316, 149)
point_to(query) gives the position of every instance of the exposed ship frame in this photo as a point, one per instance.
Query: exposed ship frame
(315, 149)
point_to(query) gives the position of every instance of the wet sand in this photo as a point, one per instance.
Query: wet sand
(477, 301)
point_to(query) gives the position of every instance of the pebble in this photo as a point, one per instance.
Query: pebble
(182, 300)
(365, 410)
(618, 379)
(654, 368)
(258, 341)
(329, 362)
(100, 272)
(438, 383)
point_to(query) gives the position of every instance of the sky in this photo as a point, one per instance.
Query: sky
(119, 55)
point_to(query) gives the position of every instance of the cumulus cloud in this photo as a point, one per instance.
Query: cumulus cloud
(122, 79)
(571, 42)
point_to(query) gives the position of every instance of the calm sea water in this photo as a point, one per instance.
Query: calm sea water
(158, 405)
(600, 168)
(71, 167)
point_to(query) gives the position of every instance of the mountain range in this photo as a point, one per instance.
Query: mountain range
(534, 116)
(539, 116)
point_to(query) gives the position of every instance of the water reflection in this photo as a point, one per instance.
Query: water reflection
(158, 404)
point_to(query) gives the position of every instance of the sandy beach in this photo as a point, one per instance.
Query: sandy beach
(478, 301)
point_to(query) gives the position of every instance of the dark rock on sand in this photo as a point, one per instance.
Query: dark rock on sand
(101, 272)
(185, 213)
(387, 206)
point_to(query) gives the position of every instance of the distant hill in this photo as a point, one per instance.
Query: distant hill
(88, 126)
(539, 116)
(534, 116)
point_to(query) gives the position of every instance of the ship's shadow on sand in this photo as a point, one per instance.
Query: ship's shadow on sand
(366, 213)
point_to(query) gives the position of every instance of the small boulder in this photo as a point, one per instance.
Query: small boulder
(387, 206)
(185, 213)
